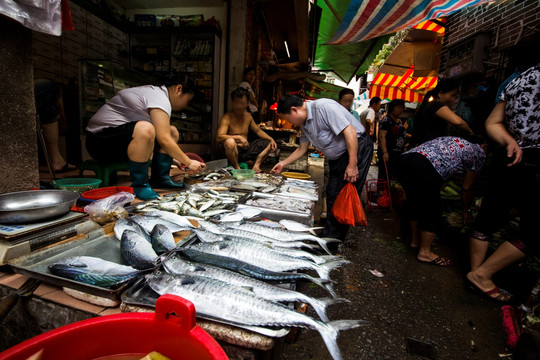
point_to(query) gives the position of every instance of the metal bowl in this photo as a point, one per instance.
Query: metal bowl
(31, 206)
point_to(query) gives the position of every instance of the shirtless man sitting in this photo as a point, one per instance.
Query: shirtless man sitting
(233, 131)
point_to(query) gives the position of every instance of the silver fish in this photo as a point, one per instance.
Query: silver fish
(265, 257)
(174, 218)
(93, 271)
(298, 227)
(268, 189)
(149, 222)
(231, 217)
(128, 224)
(249, 213)
(217, 299)
(207, 204)
(208, 237)
(162, 239)
(136, 251)
(211, 213)
(283, 235)
(179, 266)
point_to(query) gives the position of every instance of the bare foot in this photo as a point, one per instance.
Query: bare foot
(488, 287)
(433, 259)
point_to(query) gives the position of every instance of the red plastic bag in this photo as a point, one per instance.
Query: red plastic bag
(348, 209)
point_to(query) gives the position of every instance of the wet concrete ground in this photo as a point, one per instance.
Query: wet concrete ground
(414, 300)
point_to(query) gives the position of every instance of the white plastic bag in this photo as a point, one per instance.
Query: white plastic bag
(39, 15)
(109, 209)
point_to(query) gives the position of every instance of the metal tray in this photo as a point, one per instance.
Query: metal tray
(95, 243)
(140, 294)
(274, 214)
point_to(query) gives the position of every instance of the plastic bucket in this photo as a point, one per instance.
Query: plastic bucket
(171, 331)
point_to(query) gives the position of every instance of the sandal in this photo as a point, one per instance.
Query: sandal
(503, 296)
(65, 168)
(439, 261)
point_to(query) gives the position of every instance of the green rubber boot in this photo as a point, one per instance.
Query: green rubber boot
(139, 176)
(161, 167)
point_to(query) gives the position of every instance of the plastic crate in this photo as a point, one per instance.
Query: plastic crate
(102, 193)
(79, 185)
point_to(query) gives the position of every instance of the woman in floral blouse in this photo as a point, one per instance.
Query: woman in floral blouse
(423, 170)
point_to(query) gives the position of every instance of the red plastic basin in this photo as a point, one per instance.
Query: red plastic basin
(171, 331)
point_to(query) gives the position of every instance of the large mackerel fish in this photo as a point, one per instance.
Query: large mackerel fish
(219, 300)
(178, 266)
(254, 271)
(256, 254)
(281, 234)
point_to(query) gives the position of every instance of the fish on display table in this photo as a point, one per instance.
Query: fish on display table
(177, 265)
(220, 300)
(254, 271)
(270, 259)
(162, 239)
(136, 251)
(93, 271)
(124, 224)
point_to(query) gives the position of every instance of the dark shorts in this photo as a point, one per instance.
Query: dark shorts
(110, 144)
(46, 93)
(422, 185)
(251, 152)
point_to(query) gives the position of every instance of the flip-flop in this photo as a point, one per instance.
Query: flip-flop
(66, 168)
(496, 290)
(439, 261)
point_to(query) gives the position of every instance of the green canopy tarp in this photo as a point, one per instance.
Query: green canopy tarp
(320, 89)
(347, 60)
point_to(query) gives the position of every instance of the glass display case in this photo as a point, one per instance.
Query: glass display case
(100, 80)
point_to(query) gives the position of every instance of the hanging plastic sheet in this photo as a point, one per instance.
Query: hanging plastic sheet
(39, 15)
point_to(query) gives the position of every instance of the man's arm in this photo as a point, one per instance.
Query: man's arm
(260, 133)
(223, 129)
(382, 144)
(351, 139)
(162, 124)
(297, 154)
(497, 131)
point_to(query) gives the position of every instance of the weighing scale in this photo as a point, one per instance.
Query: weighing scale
(18, 240)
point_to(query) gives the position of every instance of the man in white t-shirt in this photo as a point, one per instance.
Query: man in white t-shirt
(135, 124)
(368, 117)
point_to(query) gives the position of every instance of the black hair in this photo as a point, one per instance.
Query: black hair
(287, 102)
(240, 92)
(188, 85)
(248, 69)
(344, 92)
(394, 103)
(443, 86)
(374, 100)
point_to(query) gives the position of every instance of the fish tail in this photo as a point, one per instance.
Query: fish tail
(317, 281)
(330, 331)
(320, 305)
(324, 269)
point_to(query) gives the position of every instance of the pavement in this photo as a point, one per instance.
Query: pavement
(411, 300)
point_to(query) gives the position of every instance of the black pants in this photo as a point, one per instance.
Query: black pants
(512, 187)
(336, 182)
(391, 164)
(422, 185)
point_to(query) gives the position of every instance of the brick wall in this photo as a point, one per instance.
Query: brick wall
(56, 57)
(500, 19)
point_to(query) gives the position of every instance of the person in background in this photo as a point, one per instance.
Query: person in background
(368, 118)
(514, 124)
(346, 99)
(50, 108)
(233, 131)
(136, 125)
(435, 113)
(247, 83)
(342, 139)
(422, 172)
(392, 138)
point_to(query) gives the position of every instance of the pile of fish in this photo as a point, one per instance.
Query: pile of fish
(203, 205)
(300, 189)
(282, 203)
(254, 185)
(230, 274)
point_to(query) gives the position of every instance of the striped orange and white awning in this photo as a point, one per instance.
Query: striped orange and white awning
(436, 25)
(406, 87)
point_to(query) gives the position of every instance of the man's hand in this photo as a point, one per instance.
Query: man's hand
(513, 151)
(278, 168)
(195, 165)
(242, 142)
(273, 146)
(351, 173)
(386, 156)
